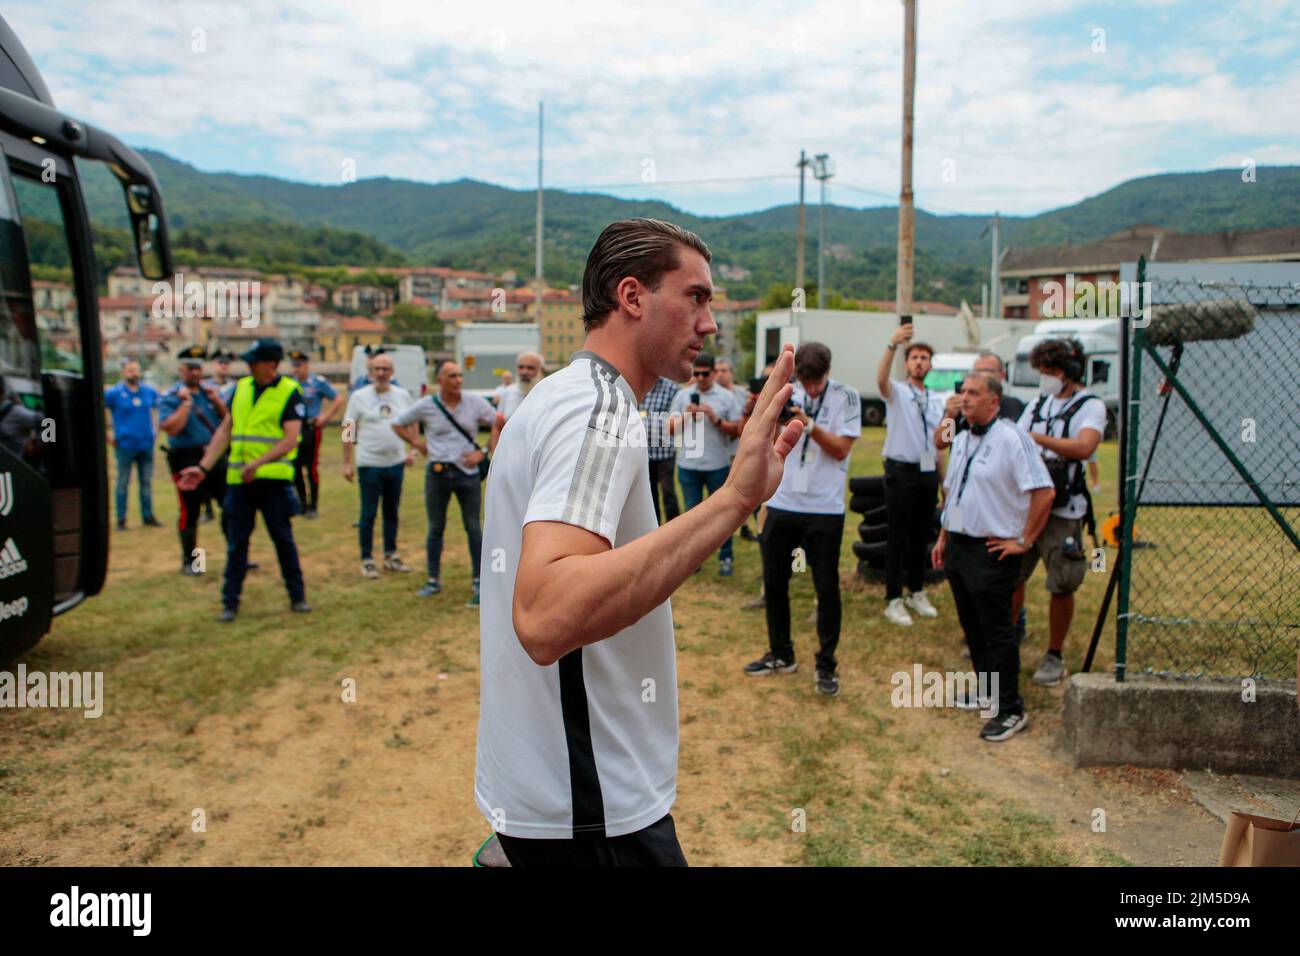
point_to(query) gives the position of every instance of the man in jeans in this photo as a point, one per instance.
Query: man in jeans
(659, 446)
(381, 457)
(451, 419)
(131, 404)
(713, 416)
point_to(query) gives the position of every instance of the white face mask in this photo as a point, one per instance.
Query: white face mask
(1050, 385)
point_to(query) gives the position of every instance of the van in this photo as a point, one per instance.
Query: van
(946, 370)
(410, 368)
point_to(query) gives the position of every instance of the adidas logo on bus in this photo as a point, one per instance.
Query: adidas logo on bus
(11, 562)
(6, 493)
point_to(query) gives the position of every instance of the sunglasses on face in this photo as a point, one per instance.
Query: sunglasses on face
(703, 374)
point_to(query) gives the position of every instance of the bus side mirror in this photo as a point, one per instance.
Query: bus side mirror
(146, 225)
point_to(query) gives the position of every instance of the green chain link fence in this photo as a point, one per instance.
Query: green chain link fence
(1210, 580)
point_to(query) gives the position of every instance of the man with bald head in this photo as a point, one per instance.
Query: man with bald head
(451, 419)
(529, 367)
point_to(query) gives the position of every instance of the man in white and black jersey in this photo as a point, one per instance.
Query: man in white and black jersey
(577, 740)
(998, 495)
(1067, 423)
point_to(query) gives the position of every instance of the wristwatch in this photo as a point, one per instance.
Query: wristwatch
(1022, 542)
(892, 346)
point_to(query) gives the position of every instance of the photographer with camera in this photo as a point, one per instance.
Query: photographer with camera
(913, 414)
(715, 416)
(807, 513)
(1067, 422)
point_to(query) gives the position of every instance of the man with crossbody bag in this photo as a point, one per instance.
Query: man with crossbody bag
(1067, 423)
(457, 466)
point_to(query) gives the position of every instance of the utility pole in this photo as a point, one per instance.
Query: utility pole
(823, 169)
(537, 309)
(798, 261)
(906, 213)
(995, 271)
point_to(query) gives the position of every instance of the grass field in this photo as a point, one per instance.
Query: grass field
(242, 726)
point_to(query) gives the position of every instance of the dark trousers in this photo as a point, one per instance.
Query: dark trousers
(819, 536)
(379, 484)
(439, 487)
(981, 588)
(910, 496)
(694, 482)
(306, 467)
(212, 486)
(662, 481)
(656, 845)
(276, 501)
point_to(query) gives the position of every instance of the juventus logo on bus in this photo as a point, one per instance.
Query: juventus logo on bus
(6, 493)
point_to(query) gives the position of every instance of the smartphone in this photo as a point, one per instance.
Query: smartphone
(695, 398)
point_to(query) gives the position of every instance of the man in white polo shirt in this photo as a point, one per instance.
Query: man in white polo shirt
(912, 413)
(577, 741)
(998, 496)
(807, 513)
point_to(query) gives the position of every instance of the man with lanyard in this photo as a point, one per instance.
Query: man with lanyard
(261, 429)
(913, 413)
(451, 419)
(998, 496)
(807, 512)
(131, 404)
(191, 412)
(1067, 423)
(659, 448)
(315, 389)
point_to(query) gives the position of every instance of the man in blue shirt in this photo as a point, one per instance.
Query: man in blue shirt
(316, 390)
(131, 404)
(190, 412)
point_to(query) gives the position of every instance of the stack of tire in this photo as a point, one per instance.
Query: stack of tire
(868, 500)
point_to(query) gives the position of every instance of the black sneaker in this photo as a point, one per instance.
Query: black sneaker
(828, 684)
(1004, 726)
(227, 615)
(121, 526)
(768, 665)
(152, 522)
(746, 534)
(300, 607)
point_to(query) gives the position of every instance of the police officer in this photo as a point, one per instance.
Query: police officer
(224, 384)
(315, 390)
(190, 413)
(262, 431)
(998, 497)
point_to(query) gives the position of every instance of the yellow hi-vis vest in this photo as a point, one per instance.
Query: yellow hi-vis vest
(255, 427)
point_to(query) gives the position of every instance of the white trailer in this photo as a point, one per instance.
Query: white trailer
(485, 351)
(858, 339)
(1100, 341)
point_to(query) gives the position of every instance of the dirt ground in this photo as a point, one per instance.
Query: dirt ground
(235, 746)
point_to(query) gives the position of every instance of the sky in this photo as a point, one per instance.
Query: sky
(1020, 106)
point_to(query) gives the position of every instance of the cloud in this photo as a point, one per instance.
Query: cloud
(1015, 95)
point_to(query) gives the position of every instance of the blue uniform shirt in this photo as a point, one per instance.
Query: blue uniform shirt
(315, 389)
(133, 427)
(201, 424)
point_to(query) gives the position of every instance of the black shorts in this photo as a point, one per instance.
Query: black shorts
(656, 845)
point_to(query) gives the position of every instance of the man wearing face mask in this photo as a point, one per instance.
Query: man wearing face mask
(1067, 423)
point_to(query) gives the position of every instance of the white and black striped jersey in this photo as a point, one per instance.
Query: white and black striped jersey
(587, 745)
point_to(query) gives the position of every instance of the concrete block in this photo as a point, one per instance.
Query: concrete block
(1182, 724)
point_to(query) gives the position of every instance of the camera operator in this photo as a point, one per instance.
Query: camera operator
(913, 413)
(807, 512)
(998, 495)
(1067, 422)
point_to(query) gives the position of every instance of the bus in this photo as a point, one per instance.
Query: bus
(53, 470)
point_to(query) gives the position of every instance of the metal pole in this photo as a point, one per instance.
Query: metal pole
(995, 272)
(906, 212)
(821, 251)
(1130, 398)
(799, 239)
(537, 310)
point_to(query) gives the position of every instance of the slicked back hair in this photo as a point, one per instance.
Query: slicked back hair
(642, 248)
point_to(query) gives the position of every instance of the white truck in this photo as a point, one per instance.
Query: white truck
(1100, 341)
(858, 339)
(410, 367)
(485, 351)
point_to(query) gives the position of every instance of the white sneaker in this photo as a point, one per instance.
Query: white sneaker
(919, 603)
(895, 613)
